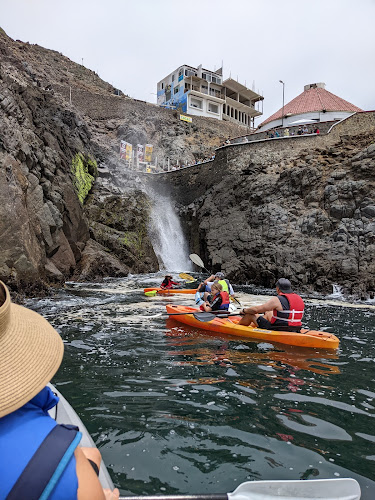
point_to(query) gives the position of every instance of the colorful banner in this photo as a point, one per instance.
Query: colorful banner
(122, 150)
(129, 151)
(140, 152)
(148, 152)
(186, 118)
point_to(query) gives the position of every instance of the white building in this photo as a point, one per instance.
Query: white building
(197, 91)
(314, 105)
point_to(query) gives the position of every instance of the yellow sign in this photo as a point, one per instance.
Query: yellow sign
(186, 118)
(128, 151)
(148, 152)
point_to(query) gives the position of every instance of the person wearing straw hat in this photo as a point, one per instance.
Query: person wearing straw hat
(38, 456)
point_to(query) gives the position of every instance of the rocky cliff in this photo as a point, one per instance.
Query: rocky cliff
(69, 208)
(298, 207)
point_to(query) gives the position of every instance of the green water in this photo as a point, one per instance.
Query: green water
(177, 410)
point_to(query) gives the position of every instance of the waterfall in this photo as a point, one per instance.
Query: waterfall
(336, 292)
(167, 237)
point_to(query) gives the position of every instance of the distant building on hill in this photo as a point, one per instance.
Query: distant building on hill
(314, 105)
(197, 91)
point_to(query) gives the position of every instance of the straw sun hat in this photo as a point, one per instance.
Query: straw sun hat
(31, 352)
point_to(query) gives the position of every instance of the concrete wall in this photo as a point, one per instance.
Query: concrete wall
(189, 184)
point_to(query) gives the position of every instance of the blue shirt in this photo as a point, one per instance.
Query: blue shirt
(21, 434)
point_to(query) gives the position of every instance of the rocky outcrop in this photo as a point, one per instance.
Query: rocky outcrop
(43, 230)
(302, 208)
(60, 129)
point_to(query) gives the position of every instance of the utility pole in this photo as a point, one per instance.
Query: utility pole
(282, 115)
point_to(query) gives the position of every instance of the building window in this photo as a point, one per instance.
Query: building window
(196, 103)
(162, 86)
(206, 76)
(213, 108)
(216, 79)
(172, 78)
(204, 89)
(176, 89)
(180, 72)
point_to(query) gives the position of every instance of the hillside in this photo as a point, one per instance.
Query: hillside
(60, 218)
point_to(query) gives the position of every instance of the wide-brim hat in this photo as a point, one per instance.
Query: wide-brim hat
(31, 352)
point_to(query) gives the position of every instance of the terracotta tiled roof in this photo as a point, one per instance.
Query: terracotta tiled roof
(313, 99)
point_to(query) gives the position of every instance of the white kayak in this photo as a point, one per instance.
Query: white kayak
(64, 413)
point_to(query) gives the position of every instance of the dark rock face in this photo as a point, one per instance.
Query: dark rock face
(301, 208)
(42, 226)
(120, 225)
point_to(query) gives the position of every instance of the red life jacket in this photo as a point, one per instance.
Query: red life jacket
(225, 300)
(293, 315)
(168, 284)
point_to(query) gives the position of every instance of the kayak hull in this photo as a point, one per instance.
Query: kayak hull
(230, 326)
(171, 290)
(64, 413)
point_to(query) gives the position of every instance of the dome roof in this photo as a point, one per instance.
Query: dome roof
(314, 98)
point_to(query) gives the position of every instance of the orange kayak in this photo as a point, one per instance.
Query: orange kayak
(230, 326)
(170, 290)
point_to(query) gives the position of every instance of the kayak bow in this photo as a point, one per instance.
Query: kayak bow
(230, 326)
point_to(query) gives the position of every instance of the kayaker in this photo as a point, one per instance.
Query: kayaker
(283, 312)
(220, 299)
(168, 283)
(31, 352)
(220, 278)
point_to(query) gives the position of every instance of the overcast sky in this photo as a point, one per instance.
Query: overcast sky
(133, 44)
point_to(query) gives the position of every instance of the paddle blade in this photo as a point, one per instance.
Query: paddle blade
(196, 259)
(209, 316)
(187, 277)
(152, 293)
(313, 489)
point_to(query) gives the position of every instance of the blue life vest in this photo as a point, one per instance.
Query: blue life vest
(21, 434)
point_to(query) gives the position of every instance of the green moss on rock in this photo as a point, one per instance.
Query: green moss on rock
(85, 171)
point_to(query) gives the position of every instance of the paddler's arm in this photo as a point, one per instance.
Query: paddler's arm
(211, 278)
(89, 487)
(271, 304)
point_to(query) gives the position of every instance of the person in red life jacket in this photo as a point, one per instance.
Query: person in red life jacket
(220, 299)
(283, 313)
(167, 283)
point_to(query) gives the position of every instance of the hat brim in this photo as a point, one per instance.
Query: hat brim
(31, 352)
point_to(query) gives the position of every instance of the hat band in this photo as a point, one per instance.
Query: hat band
(4, 309)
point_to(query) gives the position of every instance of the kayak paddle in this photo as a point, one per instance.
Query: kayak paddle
(197, 315)
(310, 489)
(187, 277)
(198, 261)
(151, 293)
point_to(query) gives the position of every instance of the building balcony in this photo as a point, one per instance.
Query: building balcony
(204, 95)
(249, 110)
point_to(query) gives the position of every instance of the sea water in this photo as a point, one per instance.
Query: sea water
(177, 410)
